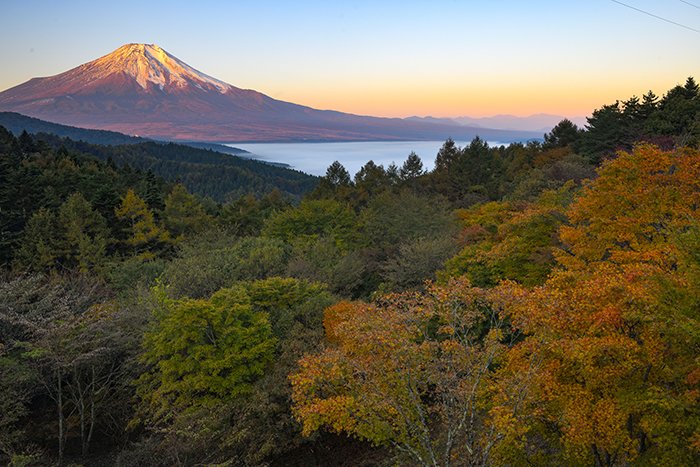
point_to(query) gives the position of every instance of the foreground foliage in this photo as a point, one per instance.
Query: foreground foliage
(412, 371)
(606, 372)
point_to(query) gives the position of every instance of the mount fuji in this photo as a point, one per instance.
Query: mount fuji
(140, 89)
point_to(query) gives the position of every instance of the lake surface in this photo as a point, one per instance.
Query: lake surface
(314, 158)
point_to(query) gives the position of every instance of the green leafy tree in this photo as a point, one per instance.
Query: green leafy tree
(202, 353)
(222, 366)
(514, 241)
(247, 215)
(314, 219)
(214, 260)
(416, 262)
(393, 218)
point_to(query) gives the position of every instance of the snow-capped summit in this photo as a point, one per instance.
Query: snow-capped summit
(148, 63)
(142, 89)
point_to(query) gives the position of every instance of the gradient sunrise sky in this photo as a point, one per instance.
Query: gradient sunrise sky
(384, 58)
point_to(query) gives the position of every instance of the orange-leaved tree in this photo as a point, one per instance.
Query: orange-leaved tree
(615, 328)
(412, 371)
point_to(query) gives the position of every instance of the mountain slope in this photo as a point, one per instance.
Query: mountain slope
(141, 89)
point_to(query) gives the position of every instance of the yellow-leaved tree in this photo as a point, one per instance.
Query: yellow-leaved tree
(143, 233)
(614, 332)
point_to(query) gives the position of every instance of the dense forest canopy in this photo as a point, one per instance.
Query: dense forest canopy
(209, 170)
(534, 301)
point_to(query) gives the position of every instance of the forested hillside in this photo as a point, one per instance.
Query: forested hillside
(209, 170)
(535, 303)
(17, 123)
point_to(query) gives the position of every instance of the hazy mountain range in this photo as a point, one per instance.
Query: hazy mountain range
(542, 123)
(140, 89)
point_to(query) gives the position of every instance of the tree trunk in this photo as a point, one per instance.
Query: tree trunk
(80, 403)
(86, 444)
(59, 401)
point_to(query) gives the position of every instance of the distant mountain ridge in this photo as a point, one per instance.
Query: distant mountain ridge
(140, 89)
(542, 123)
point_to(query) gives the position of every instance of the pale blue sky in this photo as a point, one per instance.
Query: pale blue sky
(392, 58)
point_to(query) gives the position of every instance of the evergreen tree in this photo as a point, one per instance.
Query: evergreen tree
(474, 172)
(337, 175)
(153, 191)
(606, 133)
(335, 184)
(412, 168)
(183, 214)
(85, 234)
(649, 104)
(565, 133)
(370, 180)
(26, 142)
(8, 143)
(678, 115)
(691, 88)
(39, 247)
(392, 174)
(446, 156)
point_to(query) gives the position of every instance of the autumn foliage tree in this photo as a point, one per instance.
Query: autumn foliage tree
(615, 328)
(411, 371)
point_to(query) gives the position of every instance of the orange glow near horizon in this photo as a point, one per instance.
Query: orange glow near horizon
(569, 98)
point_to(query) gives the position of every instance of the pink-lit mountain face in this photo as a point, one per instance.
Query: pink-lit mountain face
(142, 89)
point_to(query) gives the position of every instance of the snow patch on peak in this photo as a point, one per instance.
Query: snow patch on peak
(148, 63)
